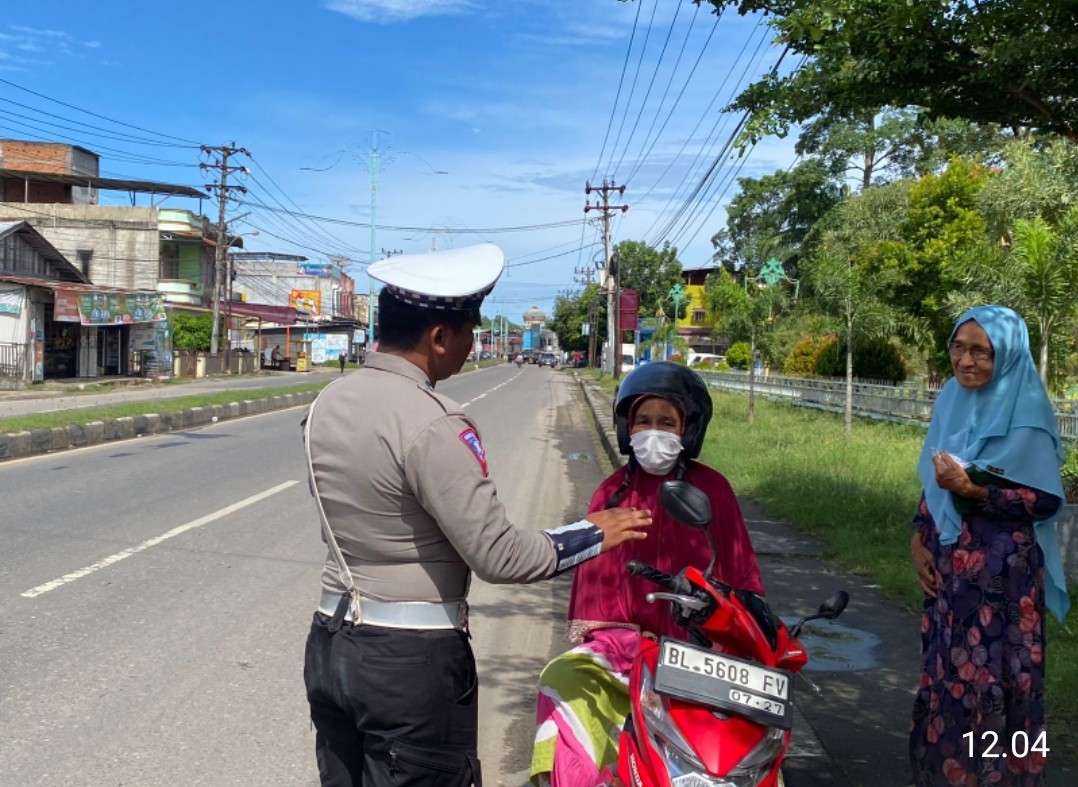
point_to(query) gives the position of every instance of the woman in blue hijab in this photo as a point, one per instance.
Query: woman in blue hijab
(986, 553)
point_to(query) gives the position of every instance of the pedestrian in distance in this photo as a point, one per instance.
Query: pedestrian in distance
(661, 415)
(409, 511)
(341, 359)
(986, 554)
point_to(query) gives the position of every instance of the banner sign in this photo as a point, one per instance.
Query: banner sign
(306, 301)
(629, 306)
(313, 269)
(11, 298)
(107, 308)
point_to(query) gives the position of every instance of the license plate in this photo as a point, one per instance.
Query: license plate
(722, 681)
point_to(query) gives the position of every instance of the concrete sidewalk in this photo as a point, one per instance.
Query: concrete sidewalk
(853, 733)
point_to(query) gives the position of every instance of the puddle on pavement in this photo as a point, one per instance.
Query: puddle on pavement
(833, 647)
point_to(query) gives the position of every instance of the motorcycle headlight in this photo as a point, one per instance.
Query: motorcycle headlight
(684, 766)
(760, 759)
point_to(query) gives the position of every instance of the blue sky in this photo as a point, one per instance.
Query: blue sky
(512, 100)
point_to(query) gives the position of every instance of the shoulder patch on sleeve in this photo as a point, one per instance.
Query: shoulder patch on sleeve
(471, 439)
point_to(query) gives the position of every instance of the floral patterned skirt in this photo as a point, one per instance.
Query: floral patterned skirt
(978, 716)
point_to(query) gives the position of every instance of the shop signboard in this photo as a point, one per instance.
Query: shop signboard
(107, 308)
(307, 302)
(11, 298)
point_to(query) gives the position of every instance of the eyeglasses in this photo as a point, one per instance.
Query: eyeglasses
(957, 350)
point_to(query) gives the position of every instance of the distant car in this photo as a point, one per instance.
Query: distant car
(705, 359)
(548, 359)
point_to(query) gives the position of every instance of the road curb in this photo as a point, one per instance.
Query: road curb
(601, 406)
(33, 442)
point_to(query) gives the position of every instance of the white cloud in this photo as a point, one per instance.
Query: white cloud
(388, 11)
(92, 44)
(40, 33)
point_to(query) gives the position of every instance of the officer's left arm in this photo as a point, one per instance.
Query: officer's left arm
(446, 468)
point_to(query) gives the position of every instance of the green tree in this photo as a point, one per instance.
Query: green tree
(1038, 278)
(742, 314)
(871, 148)
(1008, 62)
(912, 234)
(192, 331)
(846, 286)
(651, 272)
(770, 216)
(570, 313)
(1037, 177)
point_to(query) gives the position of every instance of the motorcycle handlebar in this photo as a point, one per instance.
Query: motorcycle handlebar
(638, 569)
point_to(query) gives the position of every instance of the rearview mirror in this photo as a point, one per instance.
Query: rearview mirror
(685, 503)
(832, 608)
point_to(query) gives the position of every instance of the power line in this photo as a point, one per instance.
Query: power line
(632, 89)
(617, 97)
(118, 135)
(544, 259)
(643, 155)
(651, 84)
(94, 114)
(332, 238)
(433, 230)
(709, 144)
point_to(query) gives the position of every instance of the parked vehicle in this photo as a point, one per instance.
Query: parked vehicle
(705, 359)
(548, 359)
(717, 710)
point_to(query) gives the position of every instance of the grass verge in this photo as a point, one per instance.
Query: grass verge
(52, 420)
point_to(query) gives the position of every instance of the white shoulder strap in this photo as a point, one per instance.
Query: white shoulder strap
(342, 567)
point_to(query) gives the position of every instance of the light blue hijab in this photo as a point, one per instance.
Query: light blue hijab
(1006, 428)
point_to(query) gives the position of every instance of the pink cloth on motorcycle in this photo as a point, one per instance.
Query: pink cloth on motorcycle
(585, 743)
(605, 595)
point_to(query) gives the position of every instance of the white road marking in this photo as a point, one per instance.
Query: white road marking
(108, 561)
(492, 390)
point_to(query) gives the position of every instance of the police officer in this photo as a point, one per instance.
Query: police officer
(408, 511)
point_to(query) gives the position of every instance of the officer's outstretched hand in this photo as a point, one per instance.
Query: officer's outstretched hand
(620, 525)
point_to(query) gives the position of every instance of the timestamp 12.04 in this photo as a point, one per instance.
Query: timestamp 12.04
(1021, 745)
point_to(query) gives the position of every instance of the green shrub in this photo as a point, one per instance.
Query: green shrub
(873, 359)
(1070, 477)
(739, 355)
(192, 332)
(802, 360)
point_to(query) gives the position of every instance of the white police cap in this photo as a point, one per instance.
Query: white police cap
(456, 279)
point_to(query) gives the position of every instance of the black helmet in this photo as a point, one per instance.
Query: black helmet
(673, 381)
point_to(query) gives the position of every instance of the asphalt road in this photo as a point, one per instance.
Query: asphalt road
(155, 596)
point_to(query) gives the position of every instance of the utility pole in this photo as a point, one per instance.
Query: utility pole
(225, 152)
(373, 163)
(584, 276)
(613, 330)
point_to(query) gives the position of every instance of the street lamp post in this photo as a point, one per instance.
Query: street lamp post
(374, 163)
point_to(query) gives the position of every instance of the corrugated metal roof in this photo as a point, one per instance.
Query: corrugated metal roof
(74, 286)
(109, 184)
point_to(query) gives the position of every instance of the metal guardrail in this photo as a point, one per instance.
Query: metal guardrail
(902, 403)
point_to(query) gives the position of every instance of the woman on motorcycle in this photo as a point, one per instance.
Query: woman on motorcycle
(661, 414)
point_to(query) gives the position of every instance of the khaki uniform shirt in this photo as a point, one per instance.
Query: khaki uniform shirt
(404, 483)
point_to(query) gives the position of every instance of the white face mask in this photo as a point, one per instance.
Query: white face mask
(656, 451)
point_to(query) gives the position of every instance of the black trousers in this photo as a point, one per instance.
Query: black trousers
(392, 706)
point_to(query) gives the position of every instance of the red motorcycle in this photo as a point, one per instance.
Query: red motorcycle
(716, 711)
